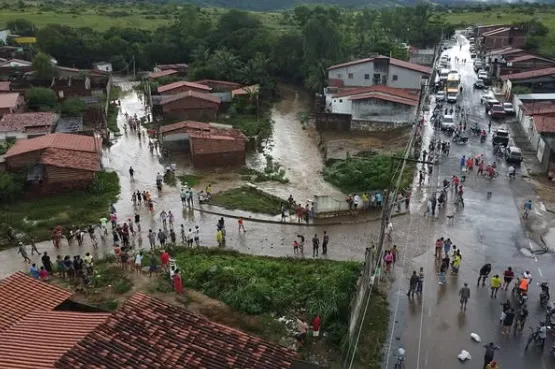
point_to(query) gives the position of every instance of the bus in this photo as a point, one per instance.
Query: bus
(453, 83)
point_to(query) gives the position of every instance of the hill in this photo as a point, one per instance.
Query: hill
(276, 5)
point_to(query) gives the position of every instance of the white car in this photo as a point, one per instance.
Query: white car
(487, 98)
(448, 123)
(483, 76)
(440, 96)
(509, 109)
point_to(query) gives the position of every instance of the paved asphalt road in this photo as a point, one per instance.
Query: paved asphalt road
(432, 329)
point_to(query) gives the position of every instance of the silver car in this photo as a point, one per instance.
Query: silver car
(440, 96)
(509, 109)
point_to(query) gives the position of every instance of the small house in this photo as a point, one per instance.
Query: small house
(182, 68)
(190, 105)
(103, 66)
(219, 86)
(56, 162)
(153, 76)
(182, 86)
(10, 102)
(522, 63)
(27, 125)
(209, 145)
(538, 81)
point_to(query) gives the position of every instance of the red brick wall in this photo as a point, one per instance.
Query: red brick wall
(68, 177)
(23, 161)
(191, 109)
(190, 103)
(229, 159)
(200, 115)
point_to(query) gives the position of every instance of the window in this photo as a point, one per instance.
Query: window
(350, 75)
(340, 100)
(338, 75)
(395, 77)
(366, 76)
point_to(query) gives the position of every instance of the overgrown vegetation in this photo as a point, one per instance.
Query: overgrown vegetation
(189, 180)
(112, 119)
(40, 98)
(282, 287)
(248, 199)
(367, 171)
(35, 218)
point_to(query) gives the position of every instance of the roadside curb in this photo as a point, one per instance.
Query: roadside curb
(269, 221)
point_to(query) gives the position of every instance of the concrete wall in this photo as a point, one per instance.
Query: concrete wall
(375, 125)
(327, 204)
(384, 111)
(17, 135)
(340, 105)
(332, 122)
(362, 74)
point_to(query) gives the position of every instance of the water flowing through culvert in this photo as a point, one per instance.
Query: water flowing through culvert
(295, 149)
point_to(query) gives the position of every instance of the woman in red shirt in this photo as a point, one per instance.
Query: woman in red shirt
(316, 326)
(165, 260)
(177, 284)
(43, 274)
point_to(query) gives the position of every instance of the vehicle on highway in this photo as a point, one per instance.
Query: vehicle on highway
(440, 96)
(509, 108)
(479, 84)
(443, 74)
(496, 111)
(513, 155)
(477, 64)
(453, 84)
(488, 104)
(448, 123)
(485, 98)
(500, 137)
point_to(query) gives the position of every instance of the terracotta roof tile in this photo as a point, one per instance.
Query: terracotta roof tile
(496, 31)
(21, 295)
(544, 124)
(89, 161)
(529, 74)
(42, 337)
(18, 122)
(385, 97)
(9, 100)
(191, 94)
(539, 108)
(218, 82)
(171, 86)
(203, 143)
(188, 124)
(393, 61)
(5, 86)
(162, 73)
(245, 90)
(63, 141)
(399, 92)
(146, 333)
(172, 66)
(529, 57)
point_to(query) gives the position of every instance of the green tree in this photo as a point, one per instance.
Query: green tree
(22, 27)
(43, 66)
(40, 98)
(73, 107)
(225, 63)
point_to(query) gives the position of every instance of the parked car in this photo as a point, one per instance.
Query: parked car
(479, 84)
(513, 154)
(500, 137)
(483, 75)
(509, 109)
(488, 104)
(447, 123)
(440, 96)
(486, 98)
(496, 111)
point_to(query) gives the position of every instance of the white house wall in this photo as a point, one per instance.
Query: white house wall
(341, 105)
(382, 111)
(359, 72)
(406, 78)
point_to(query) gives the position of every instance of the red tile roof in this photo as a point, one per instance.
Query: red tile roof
(21, 295)
(539, 108)
(162, 73)
(529, 74)
(544, 124)
(385, 97)
(496, 31)
(399, 63)
(172, 66)
(63, 141)
(9, 100)
(42, 337)
(529, 57)
(218, 82)
(5, 86)
(504, 51)
(247, 90)
(203, 143)
(400, 92)
(178, 84)
(188, 124)
(89, 161)
(191, 94)
(19, 122)
(146, 333)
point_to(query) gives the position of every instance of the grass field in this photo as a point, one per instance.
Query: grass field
(102, 18)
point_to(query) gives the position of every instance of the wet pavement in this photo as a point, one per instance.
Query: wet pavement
(432, 328)
(347, 242)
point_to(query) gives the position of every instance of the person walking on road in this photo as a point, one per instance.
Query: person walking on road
(464, 293)
(413, 284)
(420, 284)
(315, 245)
(21, 250)
(495, 285)
(443, 270)
(490, 353)
(241, 225)
(152, 239)
(325, 241)
(484, 273)
(508, 276)
(527, 209)
(508, 322)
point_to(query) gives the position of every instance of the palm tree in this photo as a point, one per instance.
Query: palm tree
(226, 63)
(316, 78)
(201, 55)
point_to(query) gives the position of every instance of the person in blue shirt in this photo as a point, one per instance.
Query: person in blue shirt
(527, 208)
(34, 271)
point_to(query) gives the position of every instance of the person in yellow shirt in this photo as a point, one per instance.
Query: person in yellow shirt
(220, 237)
(492, 365)
(495, 285)
(456, 264)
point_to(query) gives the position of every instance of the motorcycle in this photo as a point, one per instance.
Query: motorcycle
(476, 130)
(535, 338)
(482, 139)
(460, 139)
(159, 184)
(544, 295)
(499, 150)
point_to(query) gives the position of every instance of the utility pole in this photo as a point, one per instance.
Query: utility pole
(134, 73)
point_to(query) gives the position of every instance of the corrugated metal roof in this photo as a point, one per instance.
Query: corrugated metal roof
(21, 295)
(42, 337)
(147, 333)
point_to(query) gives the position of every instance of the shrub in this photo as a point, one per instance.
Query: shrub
(11, 187)
(40, 98)
(105, 182)
(73, 107)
